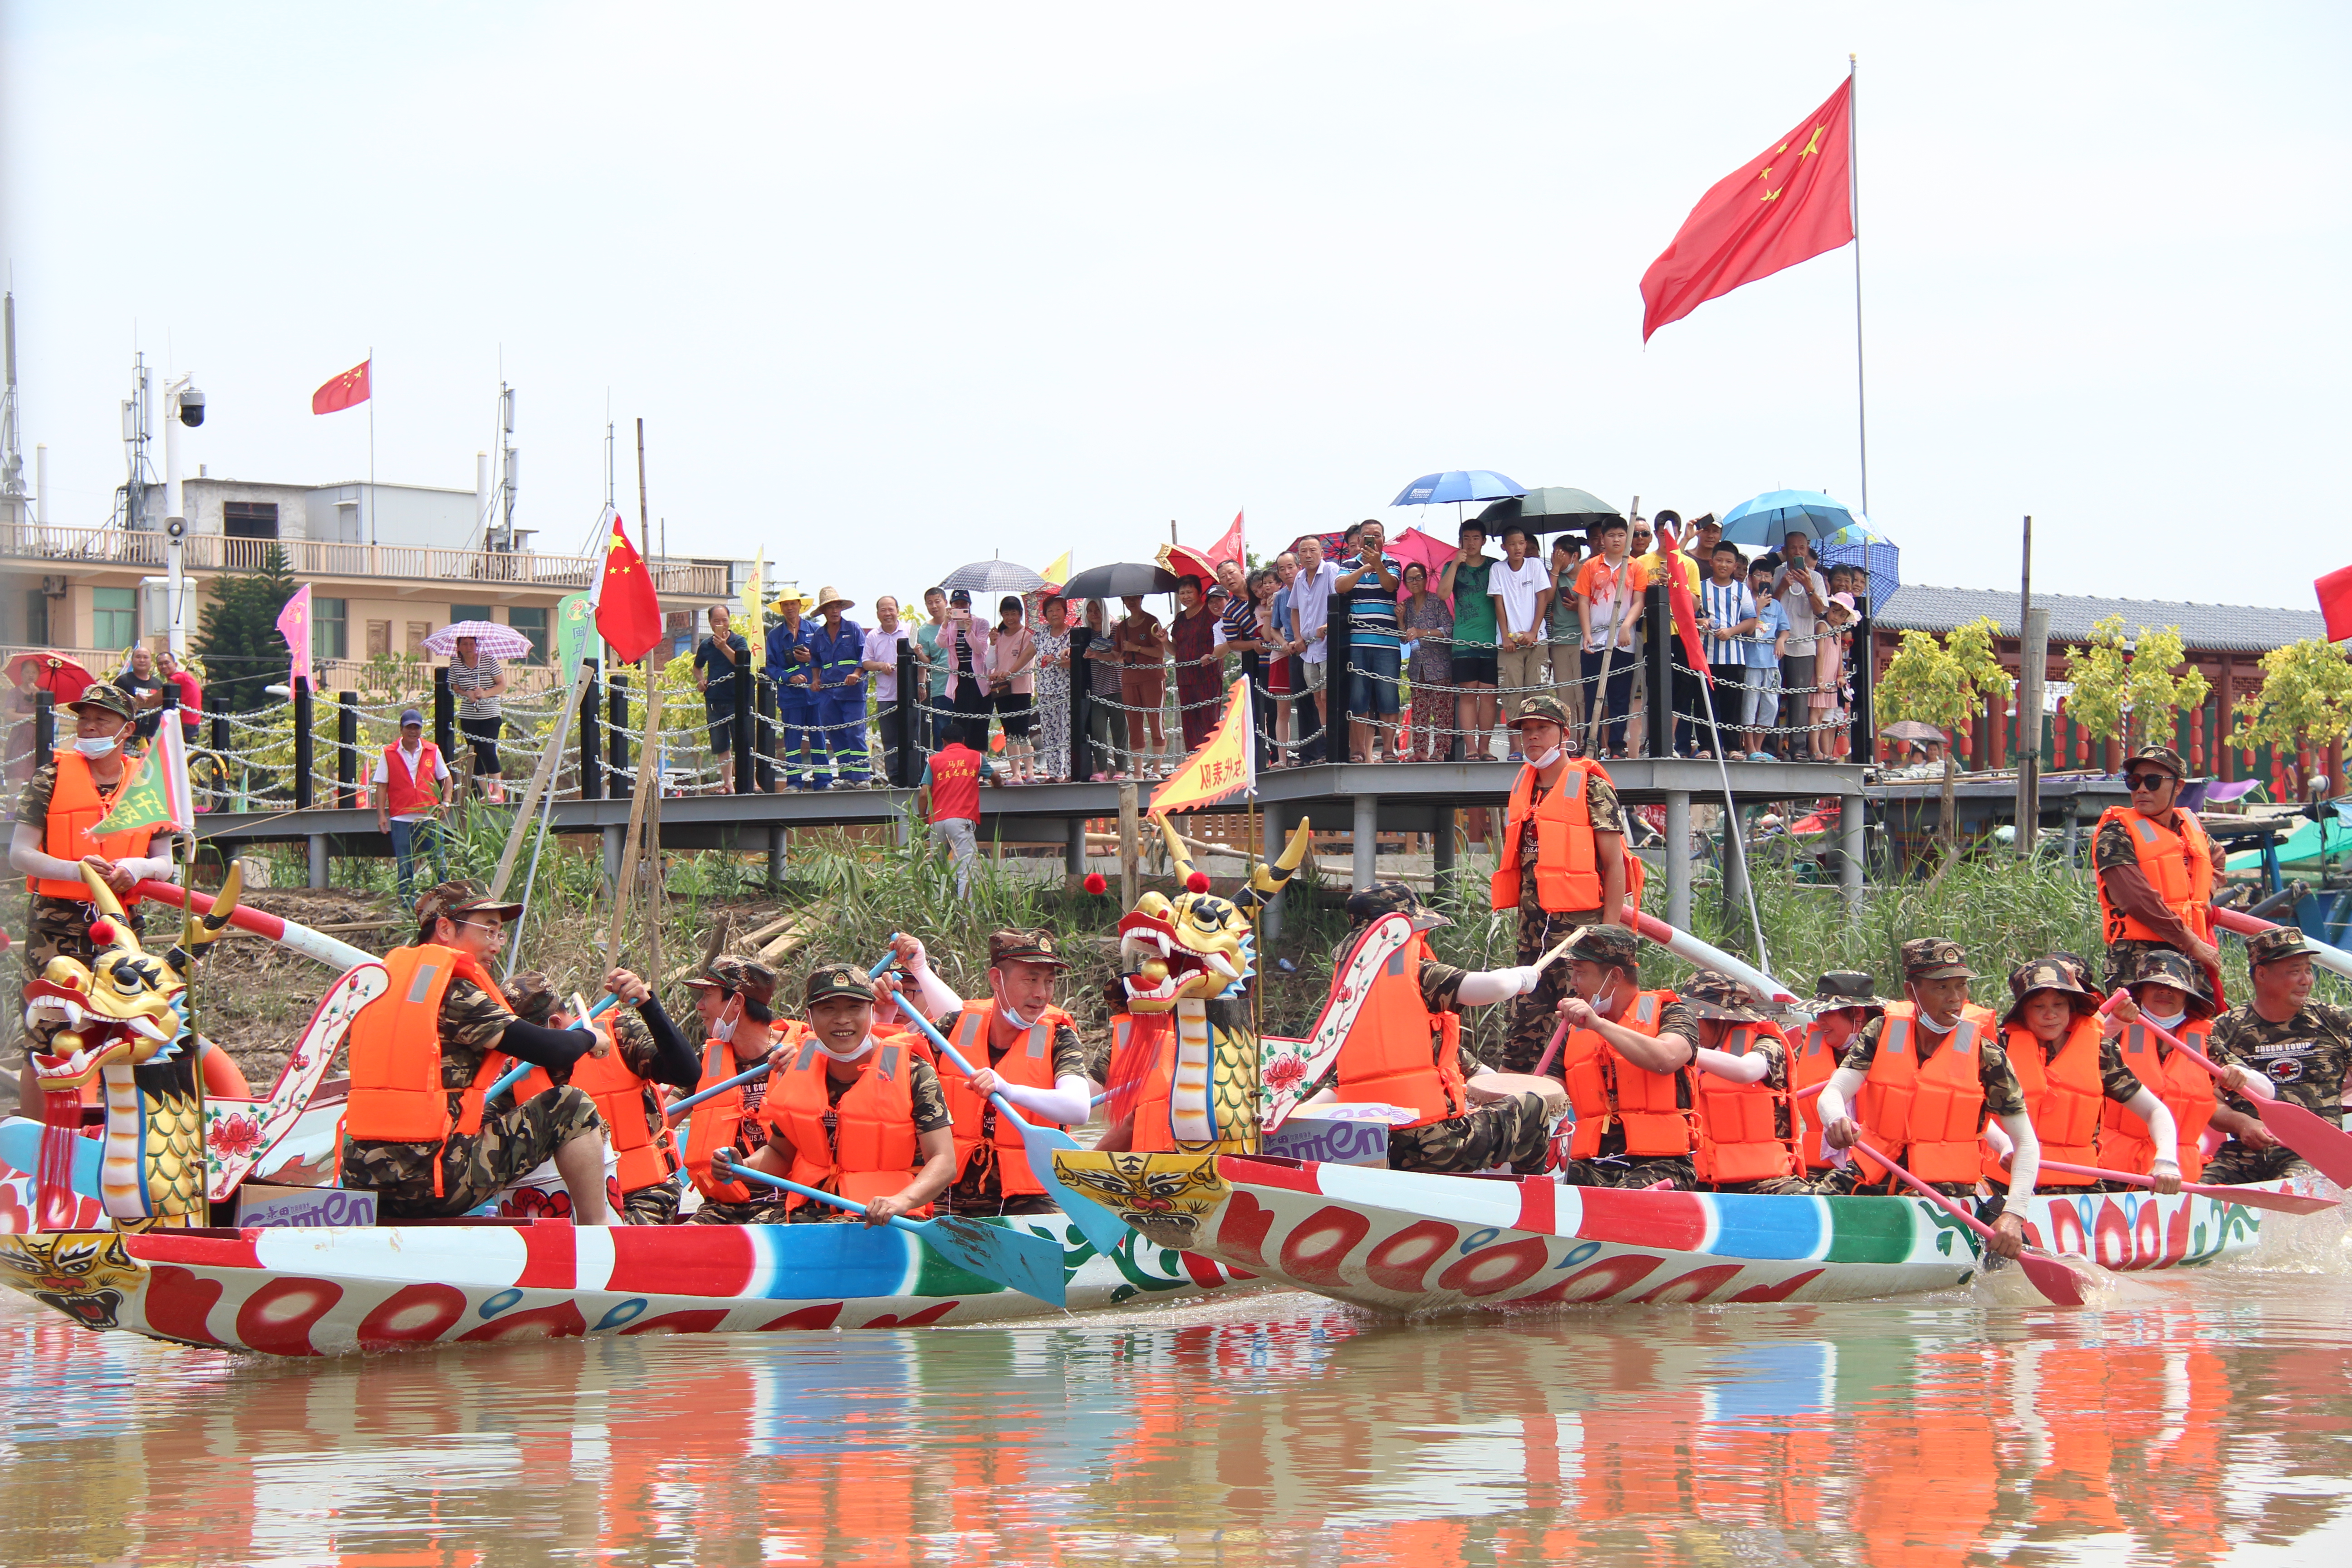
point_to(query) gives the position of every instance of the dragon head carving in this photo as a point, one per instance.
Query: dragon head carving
(1198, 946)
(121, 1007)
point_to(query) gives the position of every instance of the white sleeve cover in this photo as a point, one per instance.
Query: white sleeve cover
(2162, 1129)
(1841, 1088)
(1493, 985)
(1997, 1138)
(1750, 1068)
(2025, 1164)
(25, 855)
(1066, 1102)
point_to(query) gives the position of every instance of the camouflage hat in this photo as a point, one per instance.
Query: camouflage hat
(2050, 973)
(1546, 707)
(1934, 958)
(1024, 947)
(831, 980)
(736, 975)
(106, 697)
(2079, 964)
(1607, 944)
(2278, 942)
(2164, 757)
(1368, 904)
(2163, 966)
(1713, 996)
(1839, 989)
(463, 896)
(531, 996)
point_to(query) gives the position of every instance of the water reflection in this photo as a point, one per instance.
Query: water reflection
(2204, 1418)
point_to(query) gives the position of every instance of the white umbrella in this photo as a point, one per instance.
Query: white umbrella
(492, 640)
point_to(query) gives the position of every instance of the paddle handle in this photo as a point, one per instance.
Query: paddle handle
(2123, 1176)
(697, 1097)
(1552, 1050)
(1930, 1193)
(2168, 1037)
(745, 1172)
(507, 1080)
(948, 1050)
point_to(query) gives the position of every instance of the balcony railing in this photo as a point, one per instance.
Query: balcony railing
(311, 558)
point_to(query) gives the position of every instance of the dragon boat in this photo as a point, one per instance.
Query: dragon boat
(1402, 1242)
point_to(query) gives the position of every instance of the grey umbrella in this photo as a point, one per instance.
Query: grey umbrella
(1119, 580)
(1548, 510)
(993, 577)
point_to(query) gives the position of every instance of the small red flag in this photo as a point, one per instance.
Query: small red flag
(2336, 603)
(628, 612)
(344, 390)
(1785, 205)
(1678, 595)
(1229, 547)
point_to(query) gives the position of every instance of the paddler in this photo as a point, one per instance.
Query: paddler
(423, 1053)
(1746, 1139)
(1405, 1050)
(2302, 1046)
(1026, 1048)
(734, 997)
(2071, 1073)
(852, 1111)
(2169, 990)
(1626, 1060)
(1844, 1003)
(1929, 1071)
(1562, 863)
(2155, 869)
(647, 1051)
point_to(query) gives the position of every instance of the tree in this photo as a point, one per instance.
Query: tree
(2120, 686)
(2305, 698)
(238, 639)
(1943, 683)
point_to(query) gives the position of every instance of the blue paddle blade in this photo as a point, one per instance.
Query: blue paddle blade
(1014, 1258)
(20, 1145)
(1096, 1222)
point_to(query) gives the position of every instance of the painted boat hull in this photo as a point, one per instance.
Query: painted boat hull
(301, 1291)
(1405, 1242)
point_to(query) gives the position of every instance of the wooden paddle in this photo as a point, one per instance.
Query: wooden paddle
(2252, 1197)
(2327, 1147)
(1101, 1226)
(1013, 1258)
(2053, 1277)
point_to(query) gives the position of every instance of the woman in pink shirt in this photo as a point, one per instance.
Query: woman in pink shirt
(1012, 685)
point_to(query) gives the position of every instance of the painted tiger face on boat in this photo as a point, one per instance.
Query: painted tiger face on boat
(1198, 946)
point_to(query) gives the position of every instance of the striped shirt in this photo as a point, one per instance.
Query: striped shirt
(469, 680)
(1372, 609)
(1726, 605)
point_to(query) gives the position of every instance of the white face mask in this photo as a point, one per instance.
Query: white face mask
(1540, 762)
(96, 746)
(2162, 1021)
(863, 1047)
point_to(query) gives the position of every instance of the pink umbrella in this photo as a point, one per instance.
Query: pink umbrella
(1415, 546)
(492, 640)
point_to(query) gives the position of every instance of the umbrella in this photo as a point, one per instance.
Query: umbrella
(1857, 546)
(492, 640)
(1548, 510)
(1459, 484)
(62, 677)
(1413, 547)
(1768, 519)
(1912, 730)
(1120, 579)
(994, 577)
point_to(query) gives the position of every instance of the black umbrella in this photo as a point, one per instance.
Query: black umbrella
(1548, 510)
(993, 577)
(1120, 579)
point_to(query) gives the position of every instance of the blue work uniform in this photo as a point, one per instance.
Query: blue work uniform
(840, 705)
(802, 751)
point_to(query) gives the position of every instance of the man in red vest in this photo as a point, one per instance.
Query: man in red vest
(1561, 863)
(949, 791)
(2155, 870)
(408, 777)
(1921, 1080)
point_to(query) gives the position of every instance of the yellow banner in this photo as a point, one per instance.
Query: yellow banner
(753, 620)
(1224, 766)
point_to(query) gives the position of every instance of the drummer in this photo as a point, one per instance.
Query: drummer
(2300, 1047)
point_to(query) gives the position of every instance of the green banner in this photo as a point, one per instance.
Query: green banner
(575, 633)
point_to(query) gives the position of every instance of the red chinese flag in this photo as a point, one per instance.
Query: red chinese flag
(1785, 205)
(343, 391)
(2336, 603)
(628, 612)
(1229, 548)
(1685, 609)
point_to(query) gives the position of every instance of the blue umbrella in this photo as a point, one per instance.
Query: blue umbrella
(1859, 545)
(1771, 518)
(1459, 484)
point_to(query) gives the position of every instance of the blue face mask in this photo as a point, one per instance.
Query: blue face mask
(95, 746)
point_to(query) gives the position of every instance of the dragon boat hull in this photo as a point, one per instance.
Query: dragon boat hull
(304, 1291)
(1405, 1242)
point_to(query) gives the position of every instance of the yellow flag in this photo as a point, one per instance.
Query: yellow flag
(1059, 572)
(1225, 765)
(754, 624)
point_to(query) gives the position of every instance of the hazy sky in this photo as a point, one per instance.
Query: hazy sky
(897, 286)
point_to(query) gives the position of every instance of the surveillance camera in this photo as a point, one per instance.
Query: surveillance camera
(192, 408)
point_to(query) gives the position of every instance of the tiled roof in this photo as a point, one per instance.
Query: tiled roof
(2231, 629)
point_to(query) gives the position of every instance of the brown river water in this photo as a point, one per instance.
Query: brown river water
(2203, 1416)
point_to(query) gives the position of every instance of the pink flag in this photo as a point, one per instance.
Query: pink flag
(294, 626)
(1229, 547)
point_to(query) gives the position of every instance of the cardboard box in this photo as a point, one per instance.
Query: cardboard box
(258, 1203)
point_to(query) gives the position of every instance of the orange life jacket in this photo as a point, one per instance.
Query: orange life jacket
(1568, 873)
(2186, 1088)
(2062, 1100)
(1810, 1062)
(1603, 1086)
(1929, 1119)
(646, 1153)
(1400, 1053)
(396, 1094)
(1029, 1064)
(863, 1148)
(74, 809)
(411, 794)
(1738, 1140)
(717, 1122)
(2177, 863)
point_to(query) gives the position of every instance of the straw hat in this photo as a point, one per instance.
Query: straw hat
(830, 596)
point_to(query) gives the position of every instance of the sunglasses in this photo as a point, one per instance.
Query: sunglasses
(2148, 780)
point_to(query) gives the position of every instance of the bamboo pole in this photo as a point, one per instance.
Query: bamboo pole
(543, 780)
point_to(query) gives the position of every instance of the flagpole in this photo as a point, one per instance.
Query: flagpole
(371, 445)
(1853, 208)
